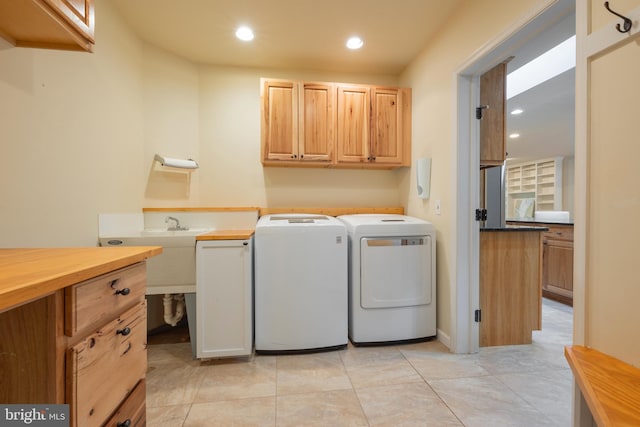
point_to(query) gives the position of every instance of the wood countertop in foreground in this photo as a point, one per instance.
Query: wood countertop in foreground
(30, 274)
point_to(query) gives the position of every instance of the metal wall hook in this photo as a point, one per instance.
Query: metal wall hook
(627, 22)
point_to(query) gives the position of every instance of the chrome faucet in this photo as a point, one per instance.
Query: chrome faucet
(177, 227)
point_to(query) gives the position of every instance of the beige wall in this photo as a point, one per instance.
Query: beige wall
(71, 132)
(79, 132)
(432, 77)
(611, 315)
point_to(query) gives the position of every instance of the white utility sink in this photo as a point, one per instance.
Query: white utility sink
(156, 237)
(165, 232)
(174, 271)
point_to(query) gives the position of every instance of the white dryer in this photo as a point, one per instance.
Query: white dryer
(301, 283)
(392, 278)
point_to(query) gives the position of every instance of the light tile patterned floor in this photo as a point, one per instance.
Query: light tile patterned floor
(405, 385)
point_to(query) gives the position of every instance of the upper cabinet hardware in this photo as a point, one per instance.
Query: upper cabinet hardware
(627, 22)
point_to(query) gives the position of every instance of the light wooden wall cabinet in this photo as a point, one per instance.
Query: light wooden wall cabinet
(49, 24)
(84, 345)
(335, 125)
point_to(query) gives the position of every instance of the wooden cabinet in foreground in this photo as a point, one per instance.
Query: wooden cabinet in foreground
(48, 24)
(84, 345)
(335, 125)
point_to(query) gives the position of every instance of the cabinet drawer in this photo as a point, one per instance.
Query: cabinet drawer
(104, 368)
(102, 298)
(559, 233)
(133, 411)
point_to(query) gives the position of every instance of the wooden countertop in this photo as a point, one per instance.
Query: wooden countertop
(226, 235)
(30, 274)
(610, 387)
(514, 228)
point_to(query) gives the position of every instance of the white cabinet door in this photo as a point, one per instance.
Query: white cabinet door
(224, 298)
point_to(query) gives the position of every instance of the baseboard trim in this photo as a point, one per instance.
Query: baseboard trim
(443, 338)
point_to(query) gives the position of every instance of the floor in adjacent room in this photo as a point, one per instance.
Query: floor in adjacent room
(414, 384)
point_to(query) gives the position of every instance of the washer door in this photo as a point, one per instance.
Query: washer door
(395, 271)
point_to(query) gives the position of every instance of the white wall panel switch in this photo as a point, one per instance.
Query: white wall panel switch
(438, 212)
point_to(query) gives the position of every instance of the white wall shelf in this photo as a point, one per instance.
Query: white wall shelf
(540, 180)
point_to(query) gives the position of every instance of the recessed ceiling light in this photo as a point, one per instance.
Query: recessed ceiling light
(517, 111)
(244, 34)
(355, 43)
(514, 135)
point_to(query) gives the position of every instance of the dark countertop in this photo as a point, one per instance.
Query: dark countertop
(533, 220)
(515, 228)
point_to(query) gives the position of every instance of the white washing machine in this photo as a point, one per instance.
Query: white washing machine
(301, 283)
(392, 278)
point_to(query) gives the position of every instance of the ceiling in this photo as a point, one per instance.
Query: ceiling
(291, 34)
(311, 35)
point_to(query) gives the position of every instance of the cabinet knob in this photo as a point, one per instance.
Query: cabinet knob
(293, 157)
(125, 423)
(301, 156)
(245, 243)
(373, 158)
(124, 291)
(124, 332)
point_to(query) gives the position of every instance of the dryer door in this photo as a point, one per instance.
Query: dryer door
(395, 271)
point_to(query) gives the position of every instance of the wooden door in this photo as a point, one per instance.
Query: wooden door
(386, 125)
(279, 120)
(493, 123)
(317, 124)
(353, 124)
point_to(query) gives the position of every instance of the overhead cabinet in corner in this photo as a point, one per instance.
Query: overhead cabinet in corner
(48, 24)
(335, 125)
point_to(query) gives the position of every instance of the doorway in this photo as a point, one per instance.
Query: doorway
(465, 295)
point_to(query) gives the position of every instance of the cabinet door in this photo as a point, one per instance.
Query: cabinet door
(353, 124)
(79, 13)
(49, 24)
(386, 126)
(492, 124)
(103, 368)
(317, 124)
(224, 298)
(279, 120)
(558, 268)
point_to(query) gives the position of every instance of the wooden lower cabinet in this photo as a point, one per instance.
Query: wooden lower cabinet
(133, 411)
(84, 345)
(510, 299)
(557, 264)
(557, 260)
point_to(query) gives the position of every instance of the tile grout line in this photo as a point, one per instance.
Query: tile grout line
(431, 388)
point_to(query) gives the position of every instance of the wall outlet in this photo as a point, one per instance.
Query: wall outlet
(438, 211)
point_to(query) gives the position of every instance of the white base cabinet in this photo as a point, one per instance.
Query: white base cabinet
(224, 298)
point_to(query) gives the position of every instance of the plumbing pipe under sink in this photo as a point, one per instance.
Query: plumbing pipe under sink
(171, 317)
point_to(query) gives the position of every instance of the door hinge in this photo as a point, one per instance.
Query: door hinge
(479, 111)
(478, 316)
(481, 214)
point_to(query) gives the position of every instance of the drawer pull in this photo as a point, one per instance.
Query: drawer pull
(124, 332)
(125, 423)
(124, 291)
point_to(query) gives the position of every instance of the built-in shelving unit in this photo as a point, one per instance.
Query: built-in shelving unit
(538, 181)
